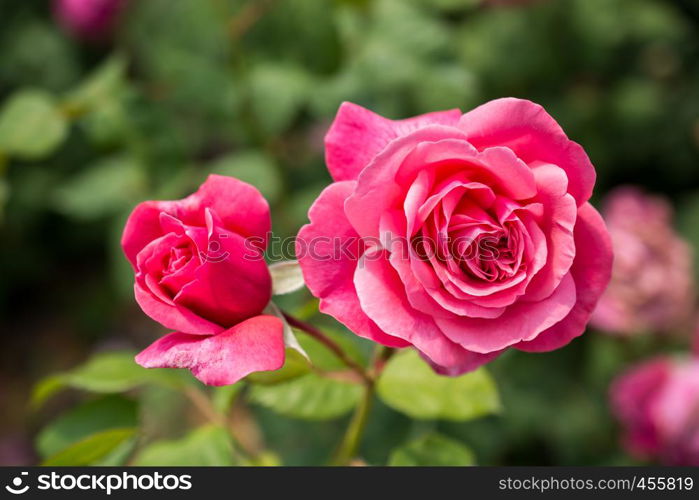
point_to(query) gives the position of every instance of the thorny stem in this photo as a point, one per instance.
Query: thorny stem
(330, 344)
(349, 446)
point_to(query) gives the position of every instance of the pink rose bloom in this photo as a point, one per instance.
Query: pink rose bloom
(657, 403)
(88, 19)
(651, 287)
(198, 273)
(458, 234)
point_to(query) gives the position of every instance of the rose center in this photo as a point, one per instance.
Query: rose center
(176, 259)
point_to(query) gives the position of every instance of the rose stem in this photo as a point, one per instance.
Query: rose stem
(202, 403)
(330, 344)
(347, 450)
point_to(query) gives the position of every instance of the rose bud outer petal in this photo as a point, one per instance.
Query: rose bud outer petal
(240, 207)
(256, 344)
(357, 135)
(173, 316)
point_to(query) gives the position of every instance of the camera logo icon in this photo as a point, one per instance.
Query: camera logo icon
(16, 487)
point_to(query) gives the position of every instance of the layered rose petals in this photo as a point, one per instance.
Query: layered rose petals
(200, 271)
(461, 235)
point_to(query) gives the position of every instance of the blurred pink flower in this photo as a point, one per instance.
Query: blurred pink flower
(657, 403)
(652, 287)
(88, 19)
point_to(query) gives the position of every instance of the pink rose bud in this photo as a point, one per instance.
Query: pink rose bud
(200, 271)
(88, 19)
(657, 404)
(651, 287)
(461, 235)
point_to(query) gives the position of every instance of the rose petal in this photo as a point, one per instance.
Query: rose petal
(377, 189)
(560, 215)
(383, 299)
(173, 316)
(240, 206)
(256, 344)
(591, 271)
(528, 130)
(471, 362)
(327, 250)
(233, 282)
(357, 135)
(521, 321)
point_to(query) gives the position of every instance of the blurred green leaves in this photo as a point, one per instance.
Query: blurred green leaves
(92, 449)
(94, 416)
(31, 125)
(309, 397)
(112, 372)
(106, 82)
(205, 446)
(277, 94)
(409, 385)
(432, 450)
(104, 188)
(253, 167)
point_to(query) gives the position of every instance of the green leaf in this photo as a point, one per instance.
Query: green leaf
(118, 372)
(290, 339)
(91, 449)
(110, 372)
(253, 167)
(278, 92)
(295, 366)
(286, 277)
(105, 188)
(46, 388)
(206, 446)
(310, 397)
(31, 125)
(264, 459)
(79, 423)
(324, 358)
(101, 86)
(409, 385)
(432, 450)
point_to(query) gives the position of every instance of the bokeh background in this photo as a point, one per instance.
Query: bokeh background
(97, 114)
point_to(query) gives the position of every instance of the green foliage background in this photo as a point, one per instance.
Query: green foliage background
(247, 88)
